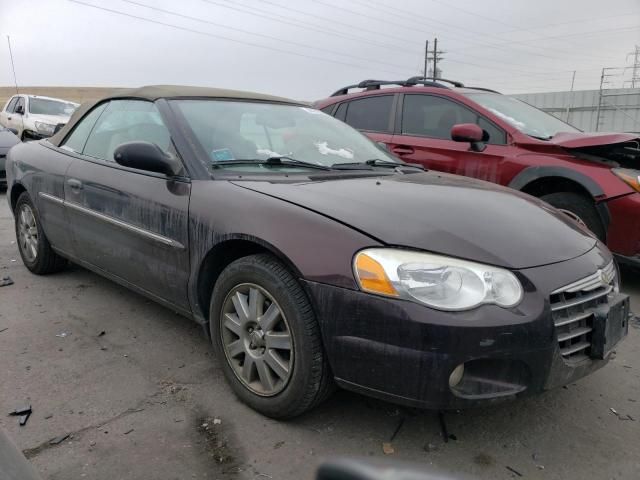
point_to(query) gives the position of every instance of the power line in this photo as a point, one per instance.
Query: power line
(303, 45)
(222, 37)
(302, 24)
(413, 15)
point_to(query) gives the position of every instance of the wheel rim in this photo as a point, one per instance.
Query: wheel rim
(256, 339)
(27, 233)
(572, 215)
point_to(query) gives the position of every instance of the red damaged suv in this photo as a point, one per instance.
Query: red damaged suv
(593, 177)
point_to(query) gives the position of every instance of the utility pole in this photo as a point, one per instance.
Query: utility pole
(426, 58)
(635, 69)
(570, 103)
(12, 65)
(435, 58)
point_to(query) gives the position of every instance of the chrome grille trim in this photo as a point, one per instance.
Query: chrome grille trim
(573, 307)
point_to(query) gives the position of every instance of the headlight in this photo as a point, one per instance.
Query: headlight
(440, 282)
(629, 176)
(45, 128)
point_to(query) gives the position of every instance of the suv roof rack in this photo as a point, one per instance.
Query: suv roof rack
(376, 84)
(429, 80)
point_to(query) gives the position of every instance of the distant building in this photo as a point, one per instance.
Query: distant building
(619, 109)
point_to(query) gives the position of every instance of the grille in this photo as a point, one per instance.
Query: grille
(572, 310)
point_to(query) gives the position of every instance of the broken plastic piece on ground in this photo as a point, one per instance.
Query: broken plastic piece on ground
(6, 281)
(24, 410)
(58, 440)
(387, 448)
(24, 419)
(513, 470)
(4, 329)
(102, 333)
(63, 334)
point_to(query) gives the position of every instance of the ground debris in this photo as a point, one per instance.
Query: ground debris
(4, 329)
(21, 410)
(5, 281)
(59, 440)
(513, 470)
(387, 448)
(63, 334)
(102, 333)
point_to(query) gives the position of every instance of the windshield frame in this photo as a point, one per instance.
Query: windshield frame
(475, 95)
(272, 170)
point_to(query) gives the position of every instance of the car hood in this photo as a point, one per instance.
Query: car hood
(581, 140)
(7, 140)
(442, 213)
(51, 119)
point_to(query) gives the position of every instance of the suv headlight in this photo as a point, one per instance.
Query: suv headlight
(45, 128)
(628, 176)
(440, 282)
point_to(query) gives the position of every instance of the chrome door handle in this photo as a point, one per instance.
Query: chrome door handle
(74, 184)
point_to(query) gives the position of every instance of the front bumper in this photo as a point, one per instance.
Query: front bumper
(623, 235)
(404, 352)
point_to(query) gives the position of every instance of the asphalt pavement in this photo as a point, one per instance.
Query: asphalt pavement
(127, 389)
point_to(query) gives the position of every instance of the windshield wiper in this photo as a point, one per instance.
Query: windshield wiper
(374, 162)
(281, 160)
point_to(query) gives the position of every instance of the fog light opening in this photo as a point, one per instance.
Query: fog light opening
(456, 376)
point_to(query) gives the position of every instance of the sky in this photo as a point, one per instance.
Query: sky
(306, 49)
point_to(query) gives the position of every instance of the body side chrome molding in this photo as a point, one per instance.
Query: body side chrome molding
(114, 221)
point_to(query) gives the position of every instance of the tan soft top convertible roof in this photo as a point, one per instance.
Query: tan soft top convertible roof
(154, 92)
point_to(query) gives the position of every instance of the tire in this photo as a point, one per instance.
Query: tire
(580, 206)
(35, 249)
(260, 283)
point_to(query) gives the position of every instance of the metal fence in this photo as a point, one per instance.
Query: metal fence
(610, 110)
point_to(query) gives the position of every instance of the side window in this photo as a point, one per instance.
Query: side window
(371, 113)
(11, 105)
(78, 137)
(126, 121)
(433, 116)
(341, 113)
(328, 109)
(19, 103)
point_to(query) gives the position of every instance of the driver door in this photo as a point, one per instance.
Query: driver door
(129, 223)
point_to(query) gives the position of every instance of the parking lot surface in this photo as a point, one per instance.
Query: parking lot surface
(136, 392)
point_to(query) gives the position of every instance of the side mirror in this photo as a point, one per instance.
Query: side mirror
(19, 110)
(146, 156)
(472, 133)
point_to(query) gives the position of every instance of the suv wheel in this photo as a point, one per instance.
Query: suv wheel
(579, 208)
(267, 339)
(35, 249)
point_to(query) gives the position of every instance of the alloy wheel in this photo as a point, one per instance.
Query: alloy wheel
(28, 233)
(256, 339)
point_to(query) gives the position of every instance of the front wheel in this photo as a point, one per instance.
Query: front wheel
(35, 249)
(267, 338)
(579, 208)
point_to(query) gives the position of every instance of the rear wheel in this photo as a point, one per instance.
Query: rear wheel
(579, 208)
(267, 339)
(35, 249)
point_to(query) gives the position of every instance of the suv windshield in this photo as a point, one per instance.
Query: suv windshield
(233, 131)
(43, 106)
(521, 115)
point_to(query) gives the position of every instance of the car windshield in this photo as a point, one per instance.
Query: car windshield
(233, 131)
(521, 115)
(44, 106)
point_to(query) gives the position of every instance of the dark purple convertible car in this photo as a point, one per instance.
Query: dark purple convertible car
(313, 257)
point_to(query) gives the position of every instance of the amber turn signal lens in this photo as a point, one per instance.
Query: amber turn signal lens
(630, 177)
(372, 276)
